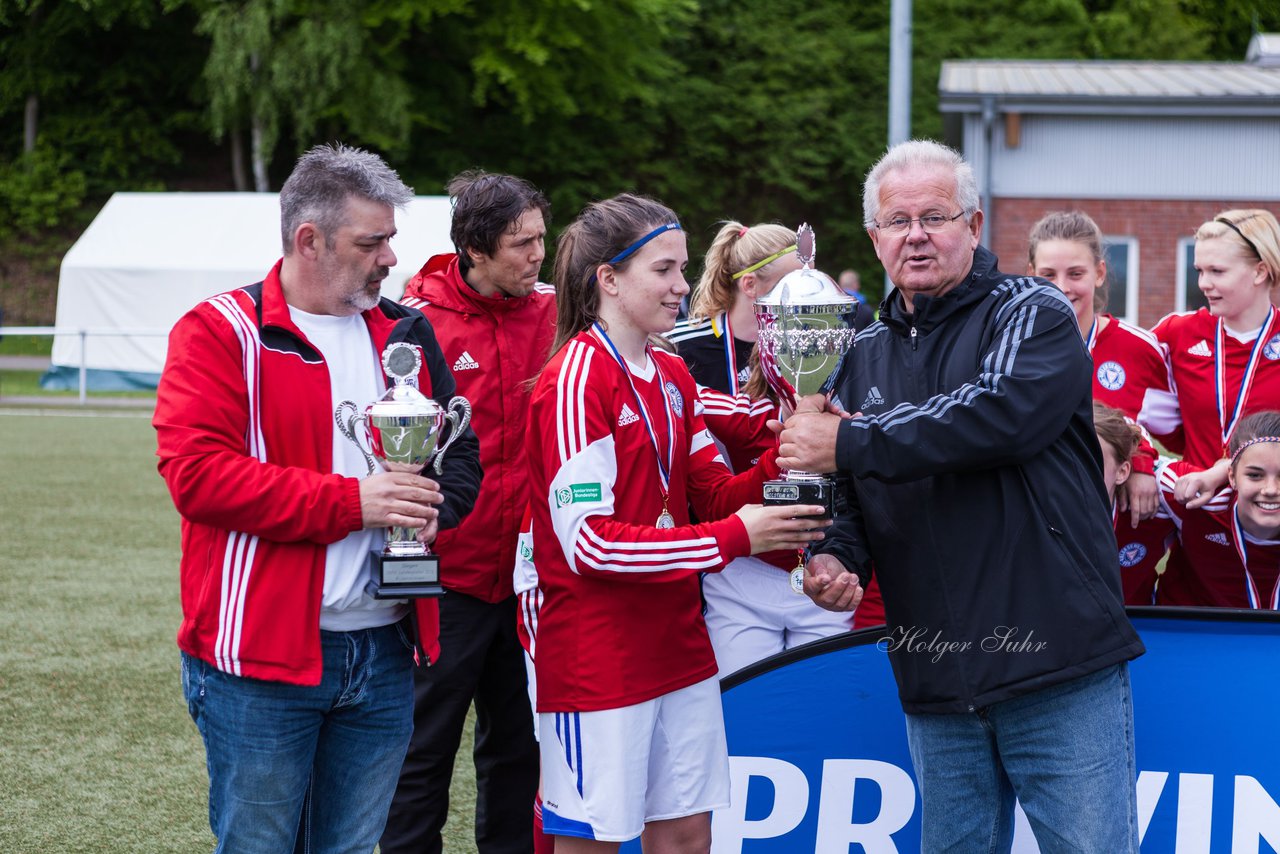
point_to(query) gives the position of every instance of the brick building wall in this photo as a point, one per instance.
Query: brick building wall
(1157, 225)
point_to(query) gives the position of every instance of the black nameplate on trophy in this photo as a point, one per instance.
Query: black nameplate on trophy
(403, 576)
(825, 492)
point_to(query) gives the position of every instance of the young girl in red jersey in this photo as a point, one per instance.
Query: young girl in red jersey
(629, 717)
(1128, 363)
(1139, 548)
(1230, 554)
(1225, 359)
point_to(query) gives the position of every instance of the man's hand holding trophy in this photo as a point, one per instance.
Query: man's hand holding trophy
(402, 431)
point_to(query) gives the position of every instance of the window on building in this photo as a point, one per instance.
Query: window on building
(1122, 277)
(1189, 297)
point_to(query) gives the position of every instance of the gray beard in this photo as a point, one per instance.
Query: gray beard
(362, 302)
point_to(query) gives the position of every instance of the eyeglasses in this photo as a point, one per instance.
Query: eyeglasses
(931, 223)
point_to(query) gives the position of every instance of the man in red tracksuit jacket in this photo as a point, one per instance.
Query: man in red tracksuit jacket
(495, 323)
(299, 682)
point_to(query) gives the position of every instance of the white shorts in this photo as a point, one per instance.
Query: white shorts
(752, 613)
(606, 774)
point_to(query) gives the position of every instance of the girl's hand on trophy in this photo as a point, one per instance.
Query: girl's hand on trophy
(792, 526)
(398, 499)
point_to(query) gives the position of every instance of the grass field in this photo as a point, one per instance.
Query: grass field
(18, 383)
(96, 749)
(25, 345)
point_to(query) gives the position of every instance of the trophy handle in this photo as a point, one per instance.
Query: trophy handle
(459, 417)
(347, 416)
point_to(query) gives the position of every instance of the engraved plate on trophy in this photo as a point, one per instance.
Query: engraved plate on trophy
(804, 333)
(405, 427)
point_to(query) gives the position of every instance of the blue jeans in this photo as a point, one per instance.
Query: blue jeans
(1065, 752)
(337, 747)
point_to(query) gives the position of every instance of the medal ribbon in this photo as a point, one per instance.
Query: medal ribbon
(1092, 338)
(1225, 422)
(664, 469)
(730, 352)
(1242, 549)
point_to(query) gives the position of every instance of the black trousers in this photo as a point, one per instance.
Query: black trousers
(480, 659)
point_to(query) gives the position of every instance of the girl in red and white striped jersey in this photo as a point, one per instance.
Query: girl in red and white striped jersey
(1139, 548)
(1129, 368)
(1230, 554)
(618, 450)
(1225, 359)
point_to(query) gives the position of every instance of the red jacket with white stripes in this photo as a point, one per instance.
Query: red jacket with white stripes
(1191, 339)
(495, 346)
(621, 618)
(1206, 568)
(244, 424)
(1128, 370)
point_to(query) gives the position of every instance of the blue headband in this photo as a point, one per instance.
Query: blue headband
(635, 247)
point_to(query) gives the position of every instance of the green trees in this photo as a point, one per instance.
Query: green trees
(751, 110)
(94, 96)
(289, 67)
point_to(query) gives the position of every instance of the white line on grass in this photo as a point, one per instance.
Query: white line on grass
(92, 413)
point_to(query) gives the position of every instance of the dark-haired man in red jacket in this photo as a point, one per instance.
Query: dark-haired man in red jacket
(495, 323)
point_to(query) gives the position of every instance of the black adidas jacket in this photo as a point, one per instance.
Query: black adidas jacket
(977, 493)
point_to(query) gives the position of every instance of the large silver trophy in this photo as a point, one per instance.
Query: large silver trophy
(804, 332)
(403, 429)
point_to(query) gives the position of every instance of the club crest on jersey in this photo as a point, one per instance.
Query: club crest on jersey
(1272, 350)
(1111, 376)
(576, 492)
(526, 550)
(1132, 554)
(677, 400)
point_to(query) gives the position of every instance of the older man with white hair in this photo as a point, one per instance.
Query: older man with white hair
(977, 496)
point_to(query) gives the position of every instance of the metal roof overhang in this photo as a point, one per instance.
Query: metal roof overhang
(1217, 106)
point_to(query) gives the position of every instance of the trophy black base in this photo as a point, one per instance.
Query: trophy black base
(823, 491)
(403, 576)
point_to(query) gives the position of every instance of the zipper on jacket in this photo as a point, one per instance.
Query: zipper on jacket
(914, 341)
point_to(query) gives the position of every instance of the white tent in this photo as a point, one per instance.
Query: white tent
(149, 257)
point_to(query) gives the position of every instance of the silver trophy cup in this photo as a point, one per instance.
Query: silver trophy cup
(404, 426)
(804, 332)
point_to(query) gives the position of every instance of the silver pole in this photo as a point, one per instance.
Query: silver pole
(84, 369)
(899, 71)
(988, 143)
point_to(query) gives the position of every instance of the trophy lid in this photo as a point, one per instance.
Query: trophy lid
(808, 290)
(402, 361)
